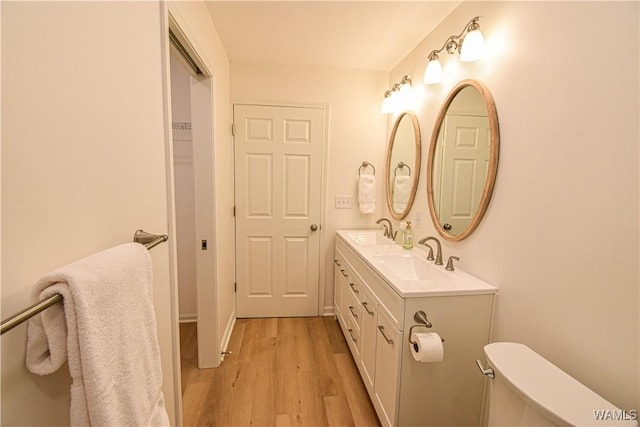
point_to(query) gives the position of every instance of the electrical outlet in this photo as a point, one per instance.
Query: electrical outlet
(344, 202)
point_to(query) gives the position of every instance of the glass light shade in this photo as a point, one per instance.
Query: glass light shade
(433, 72)
(394, 100)
(387, 106)
(404, 98)
(472, 46)
(405, 89)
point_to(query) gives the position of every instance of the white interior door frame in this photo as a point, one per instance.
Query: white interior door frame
(322, 310)
(202, 101)
(202, 96)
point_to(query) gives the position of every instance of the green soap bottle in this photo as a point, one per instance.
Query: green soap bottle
(407, 241)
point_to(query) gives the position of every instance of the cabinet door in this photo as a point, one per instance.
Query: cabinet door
(387, 370)
(368, 336)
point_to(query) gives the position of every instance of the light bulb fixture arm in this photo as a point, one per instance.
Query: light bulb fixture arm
(405, 79)
(396, 86)
(454, 42)
(396, 97)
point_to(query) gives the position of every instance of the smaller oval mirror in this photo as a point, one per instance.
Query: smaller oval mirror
(463, 160)
(403, 165)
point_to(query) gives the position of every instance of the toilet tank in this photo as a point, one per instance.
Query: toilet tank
(528, 390)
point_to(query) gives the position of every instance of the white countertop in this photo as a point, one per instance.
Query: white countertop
(407, 272)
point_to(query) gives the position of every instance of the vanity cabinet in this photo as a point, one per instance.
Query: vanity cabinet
(368, 337)
(388, 353)
(339, 276)
(376, 320)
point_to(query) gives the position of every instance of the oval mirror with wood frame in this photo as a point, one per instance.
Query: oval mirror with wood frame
(403, 165)
(463, 160)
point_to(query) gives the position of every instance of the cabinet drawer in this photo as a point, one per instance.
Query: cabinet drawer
(355, 286)
(387, 297)
(368, 336)
(352, 336)
(352, 306)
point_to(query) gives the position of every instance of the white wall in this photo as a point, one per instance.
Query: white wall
(560, 237)
(83, 165)
(356, 132)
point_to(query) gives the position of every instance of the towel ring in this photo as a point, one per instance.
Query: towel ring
(364, 165)
(401, 165)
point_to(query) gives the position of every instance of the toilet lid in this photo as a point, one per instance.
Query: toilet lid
(550, 390)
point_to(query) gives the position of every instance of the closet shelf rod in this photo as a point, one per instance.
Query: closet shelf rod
(147, 239)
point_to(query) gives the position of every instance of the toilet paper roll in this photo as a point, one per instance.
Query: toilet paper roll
(427, 348)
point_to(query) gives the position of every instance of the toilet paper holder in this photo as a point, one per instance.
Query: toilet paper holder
(421, 318)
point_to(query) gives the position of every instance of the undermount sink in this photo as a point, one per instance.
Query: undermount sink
(410, 267)
(369, 238)
(408, 271)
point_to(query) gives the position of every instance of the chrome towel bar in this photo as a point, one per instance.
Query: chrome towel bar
(147, 239)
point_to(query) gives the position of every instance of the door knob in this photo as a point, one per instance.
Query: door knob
(447, 227)
(313, 227)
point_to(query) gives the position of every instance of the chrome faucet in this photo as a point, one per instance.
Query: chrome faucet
(430, 255)
(388, 232)
(424, 241)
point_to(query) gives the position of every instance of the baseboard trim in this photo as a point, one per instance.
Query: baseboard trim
(227, 335)
(328, 311)
(189, 318)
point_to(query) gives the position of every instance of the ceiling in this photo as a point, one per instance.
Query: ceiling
(368, 35)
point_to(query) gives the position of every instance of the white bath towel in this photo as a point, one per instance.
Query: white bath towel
(367, 193)
(401, 191)
(106, 329)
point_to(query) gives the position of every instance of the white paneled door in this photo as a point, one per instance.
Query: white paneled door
(278, 159)
(464, 170)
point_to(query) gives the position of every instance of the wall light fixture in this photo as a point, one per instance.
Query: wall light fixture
(399, 97)
(469, 44)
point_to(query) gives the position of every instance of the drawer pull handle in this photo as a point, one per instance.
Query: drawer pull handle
(389, 341)
(343, 273)
(352, 313)
(370, 313)
(337, 263)
(353, 286)
(350, 333)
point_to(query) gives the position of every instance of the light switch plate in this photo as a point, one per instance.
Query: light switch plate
(344, 202)
(417, 222)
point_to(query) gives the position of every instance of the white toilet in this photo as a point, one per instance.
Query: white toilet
(528, 390)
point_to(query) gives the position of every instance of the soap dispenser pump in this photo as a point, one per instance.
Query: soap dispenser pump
(407, 240)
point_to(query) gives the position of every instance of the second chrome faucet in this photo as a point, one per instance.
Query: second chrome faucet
(424, 241)
(388, 231)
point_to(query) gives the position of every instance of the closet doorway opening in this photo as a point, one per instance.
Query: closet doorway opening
(194, 201)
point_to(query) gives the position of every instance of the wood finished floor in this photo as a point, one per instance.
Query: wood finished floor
(283, 372)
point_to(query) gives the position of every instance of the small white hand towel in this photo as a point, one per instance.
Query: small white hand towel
(401, 190)
(367, 193)
(106, 329)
